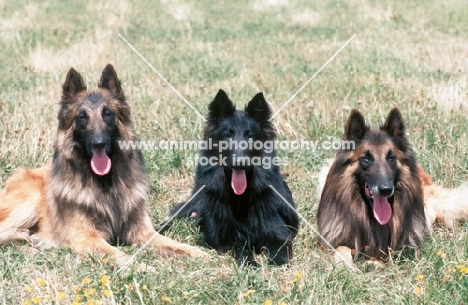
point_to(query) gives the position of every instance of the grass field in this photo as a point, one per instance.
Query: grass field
(411, 54)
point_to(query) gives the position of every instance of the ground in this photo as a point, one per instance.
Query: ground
(411, 54)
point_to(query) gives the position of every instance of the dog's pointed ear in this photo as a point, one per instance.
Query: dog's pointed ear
(395, 125)
(356, 126)
(111, 82)
(258, 108)
(73, 85)
(221, 106)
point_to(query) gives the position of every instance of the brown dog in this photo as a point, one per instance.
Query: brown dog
(93, 194)
(376, 198)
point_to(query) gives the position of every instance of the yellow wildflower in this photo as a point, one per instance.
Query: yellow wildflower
(106, 292)
(267, 302)
(418, 290)
(248, 292)
(89, 292)
(27, 302)
(86, 281)
(105, 280)
(298, 275)
(166, 299)
(36, 300)
(40, 282)
(61, 295)
(441, 253)
(77, 298)
(419, 277)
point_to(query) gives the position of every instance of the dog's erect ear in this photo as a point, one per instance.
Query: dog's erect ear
(356, 126)
(73, 84)
(221, 106)
(258, 108)
(394, 125)
(111, 82)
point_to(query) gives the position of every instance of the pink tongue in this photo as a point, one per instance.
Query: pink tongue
(100, 163)
(382, 209)
(238, 181)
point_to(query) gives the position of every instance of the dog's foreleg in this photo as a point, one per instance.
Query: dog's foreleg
(144, 234)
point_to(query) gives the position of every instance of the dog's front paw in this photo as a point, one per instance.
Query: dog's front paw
(344, 255)
(142, 267)
(130, 266)
(38, 243)
(195, 252)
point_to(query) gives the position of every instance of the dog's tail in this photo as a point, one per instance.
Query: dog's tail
(445, 205)
(181, 210)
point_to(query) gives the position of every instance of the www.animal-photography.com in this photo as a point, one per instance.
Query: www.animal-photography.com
(237, 152)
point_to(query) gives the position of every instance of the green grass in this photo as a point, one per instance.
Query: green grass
(411, 54)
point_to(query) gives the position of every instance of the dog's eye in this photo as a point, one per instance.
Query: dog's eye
(391, 159)
(107, 114)
(82, 116)
(81, 120)
(229, 134)
(365, 160)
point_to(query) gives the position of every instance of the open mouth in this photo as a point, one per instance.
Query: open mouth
(380, 206)
(100, 162)
(239, 181)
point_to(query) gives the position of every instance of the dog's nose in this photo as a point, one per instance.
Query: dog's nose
(98, 143)
(385, 190)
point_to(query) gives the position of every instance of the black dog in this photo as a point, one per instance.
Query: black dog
(237, 209)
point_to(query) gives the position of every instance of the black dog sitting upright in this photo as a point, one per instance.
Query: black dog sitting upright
(237, 209)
